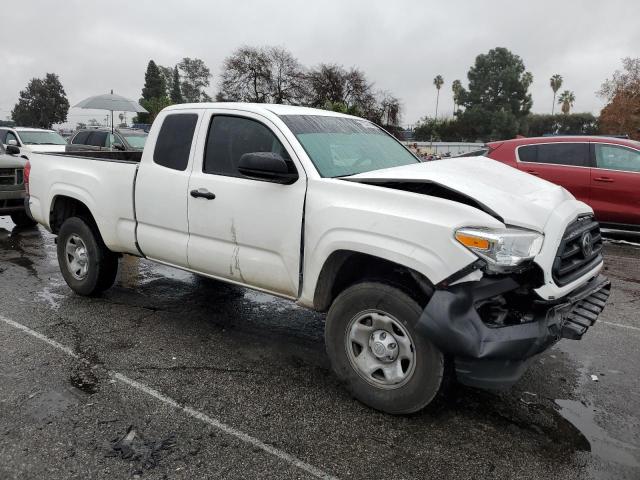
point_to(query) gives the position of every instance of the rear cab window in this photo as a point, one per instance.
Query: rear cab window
(174, 140)
(80, 138)
(559, 153)
(97, 139)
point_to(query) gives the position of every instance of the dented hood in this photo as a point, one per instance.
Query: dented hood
(517, 198)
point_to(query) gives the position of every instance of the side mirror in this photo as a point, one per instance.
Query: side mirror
(13, 141)
(118, 146)
(12, 149)
(267, 166)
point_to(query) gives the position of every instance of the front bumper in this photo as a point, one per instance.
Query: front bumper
(492, 356)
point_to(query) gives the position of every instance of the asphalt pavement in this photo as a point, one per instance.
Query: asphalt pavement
(168, 375)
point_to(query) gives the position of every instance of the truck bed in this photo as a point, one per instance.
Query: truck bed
(103, 181)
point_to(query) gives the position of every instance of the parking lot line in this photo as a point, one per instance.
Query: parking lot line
(621, 325)
(254, 442)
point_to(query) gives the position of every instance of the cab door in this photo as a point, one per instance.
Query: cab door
(244, 230)
(564, 163)
(162, 188)
(615, 184)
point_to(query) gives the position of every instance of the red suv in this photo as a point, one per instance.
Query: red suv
(603, 172)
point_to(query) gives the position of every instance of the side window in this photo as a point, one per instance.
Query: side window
(174, 140)
(231, 137)
(572, 154)
(81, 138)
(97, 139)
(615, 157)
(528, 153)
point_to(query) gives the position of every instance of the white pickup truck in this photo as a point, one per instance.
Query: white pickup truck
(462, 266)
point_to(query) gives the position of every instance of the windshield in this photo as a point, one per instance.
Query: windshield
(41, 138)
(341, 146)
(136, 141)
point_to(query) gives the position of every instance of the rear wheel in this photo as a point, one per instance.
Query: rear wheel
(375, 350)
(21, 219)
(87, 265)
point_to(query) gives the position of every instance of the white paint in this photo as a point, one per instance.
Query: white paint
(229, 430)
(621, 325)
(39, 336)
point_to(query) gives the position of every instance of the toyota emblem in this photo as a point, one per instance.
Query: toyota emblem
(586, 244)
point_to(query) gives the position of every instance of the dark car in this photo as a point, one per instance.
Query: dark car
(12, 186)
(103, 139)
(603, 172)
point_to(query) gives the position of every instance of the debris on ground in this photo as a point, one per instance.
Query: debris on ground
(594, 378)
(145, 453)
(529, 398)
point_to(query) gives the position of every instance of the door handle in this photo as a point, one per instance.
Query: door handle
(202, 193)
(604, 179)
(533, 172)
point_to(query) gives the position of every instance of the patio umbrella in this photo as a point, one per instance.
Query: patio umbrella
(111, 102)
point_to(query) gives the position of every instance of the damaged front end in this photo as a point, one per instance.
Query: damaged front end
(494, 326)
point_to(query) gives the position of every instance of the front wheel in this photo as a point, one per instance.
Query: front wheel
(87, 265)
(375, 350)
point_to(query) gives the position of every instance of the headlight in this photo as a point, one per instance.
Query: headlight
(503, 249)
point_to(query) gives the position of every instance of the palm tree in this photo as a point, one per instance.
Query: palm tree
(566, 99)
(556, 83)
(456, 86)
(438, 82)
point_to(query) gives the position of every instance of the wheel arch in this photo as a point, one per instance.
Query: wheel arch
(64, 207)
(344, 268)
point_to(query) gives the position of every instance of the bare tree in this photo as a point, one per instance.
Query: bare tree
(246, 76)
(287, 80)
(390, 109)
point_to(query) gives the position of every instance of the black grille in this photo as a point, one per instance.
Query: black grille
(579, 252)
(10, 176)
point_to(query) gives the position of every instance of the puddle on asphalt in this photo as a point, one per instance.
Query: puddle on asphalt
(50, 298)
(582, 416)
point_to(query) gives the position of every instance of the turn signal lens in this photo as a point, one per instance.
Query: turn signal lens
(472, 241)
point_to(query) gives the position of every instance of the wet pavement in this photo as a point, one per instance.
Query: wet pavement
(248, 372)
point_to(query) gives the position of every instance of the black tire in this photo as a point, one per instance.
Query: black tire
(425, 382)
(21, 219)
(102, 263)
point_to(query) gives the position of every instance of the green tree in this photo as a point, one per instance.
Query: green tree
(176, 93)
(537, 125)
(456, 87)
(43, 103)
(438, 82)
(154, 84)
(497, 98)
(154, 89)
(195, 78)
(153, 106)
(566, 99)
(555, 82)
(167, 77)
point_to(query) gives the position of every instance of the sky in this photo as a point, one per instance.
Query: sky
(96, 46)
